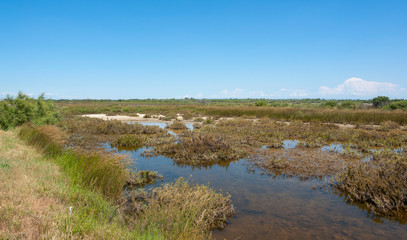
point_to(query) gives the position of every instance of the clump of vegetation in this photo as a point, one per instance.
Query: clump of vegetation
(208, 121)
(129, 140)
(300, 162)
(401, 104)
(147, 116)
(261, 103)
(198, 119)
(201, 148)
(197, 207)
(165, 118)
(22, 109)
(142, 178)
(329, 104)
(177, 125)
(347, 105)
(380, 184)
(380, 101)
(388, 125)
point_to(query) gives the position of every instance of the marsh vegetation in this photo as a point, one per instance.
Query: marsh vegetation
(138, 170)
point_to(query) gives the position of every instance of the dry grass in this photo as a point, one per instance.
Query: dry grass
(90, 133)
(302, 162)
(200, 148)
(28, 209)
(380, 184)
(85, 125)
(184, 211)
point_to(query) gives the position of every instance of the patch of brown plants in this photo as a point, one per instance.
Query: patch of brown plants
(380, 184)
(302, 162)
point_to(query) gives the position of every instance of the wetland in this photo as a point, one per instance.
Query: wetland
(292, 180)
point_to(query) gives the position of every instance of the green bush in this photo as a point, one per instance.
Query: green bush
(17, 111)
(380, 101)
(347, 105)
(399, 105)
(261, 103)
(329, 104)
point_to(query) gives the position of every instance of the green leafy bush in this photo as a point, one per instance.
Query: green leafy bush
(347, 105)
(17, 111)
(329, 104)
(380, 101)
(399, 105)
(261, 103)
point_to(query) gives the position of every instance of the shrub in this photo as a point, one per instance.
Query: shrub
(380, 101)
(261, 103)
(399, 105)
(17, 111)
(329, 104)
(347, 105)
(388, 125)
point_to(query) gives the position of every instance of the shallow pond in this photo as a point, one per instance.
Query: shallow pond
(276, 207)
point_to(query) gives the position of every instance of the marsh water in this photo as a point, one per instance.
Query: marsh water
(270, 207)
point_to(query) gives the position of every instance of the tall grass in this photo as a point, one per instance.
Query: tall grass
(186, 211)
(98, 170)
(311, 114)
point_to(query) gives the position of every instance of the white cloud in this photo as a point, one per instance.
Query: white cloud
(359, 87)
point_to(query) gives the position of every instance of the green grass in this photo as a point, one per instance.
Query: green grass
(36, 194)
(98, 170)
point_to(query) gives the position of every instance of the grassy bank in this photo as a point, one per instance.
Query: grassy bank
(103, 172)
(36, 195)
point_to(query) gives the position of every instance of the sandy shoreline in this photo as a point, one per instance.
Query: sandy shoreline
(156, 118)
(139, 118)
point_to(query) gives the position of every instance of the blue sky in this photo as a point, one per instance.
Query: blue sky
(204, 49)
